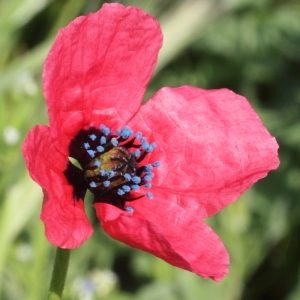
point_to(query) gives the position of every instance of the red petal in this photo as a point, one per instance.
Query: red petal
(65, 221)
(212, 146)
(98, 67)
(170, 232)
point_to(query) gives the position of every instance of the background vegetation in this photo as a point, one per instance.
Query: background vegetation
(249, 46)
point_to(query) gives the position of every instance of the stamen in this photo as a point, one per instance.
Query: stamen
(92, 137)
(100, 149)
(149, 195)
(126, 132)
(150, 174)
(135, 187)
(110, 174)
(91, 153)
(148, 148)
(120, 192)
(147, 178)
(93, 184)
(129, 209)
(148, 185)
(106, 183)
(103, 140)
(126, 188)
(103, 173)
(148, 168)
(97, 163)
(138, 135)
(157, 164)
(127, 176)
(145, 146)
(105, 130)
(114, 142)
(136, 179)
(137, 153)
(86, 145)
(153, 145)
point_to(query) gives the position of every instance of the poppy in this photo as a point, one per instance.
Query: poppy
(155, 170)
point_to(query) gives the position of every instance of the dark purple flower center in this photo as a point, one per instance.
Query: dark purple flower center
(111, 165)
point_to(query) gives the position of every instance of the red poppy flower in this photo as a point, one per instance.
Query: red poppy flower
(156, 170)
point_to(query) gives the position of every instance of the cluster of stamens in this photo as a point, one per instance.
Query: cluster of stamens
(112, 164)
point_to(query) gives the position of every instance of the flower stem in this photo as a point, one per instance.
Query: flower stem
(59, 273)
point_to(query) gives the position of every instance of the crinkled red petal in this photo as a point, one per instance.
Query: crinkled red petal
(211, 143)
(98, 68)
(170, 232)
(66, 223)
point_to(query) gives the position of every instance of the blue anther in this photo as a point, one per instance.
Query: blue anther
(137, 153)
(157, 164)
(135, 187)
(114, 142)
(149, 148)
(150, 174)
(92, 137)
(149, 195)
(110, 174)
(148, 168)
(97, 163)
(129, 209)
(120, 192)
(138, 135)
(103, 140)
(103, 173)
(148, 185)
(105, 130)
(93, 184)
(91, 153)
(86, 145)
(126, 188)
(143, 140)
(119, 132)
(100, 149)
(145, 145)
(136, 179)
(127, 128)
(106, 183)
(126, 132)
(153, 145)
(148, 178)
(127, 176)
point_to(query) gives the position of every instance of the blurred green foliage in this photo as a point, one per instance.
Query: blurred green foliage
(249, 46)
